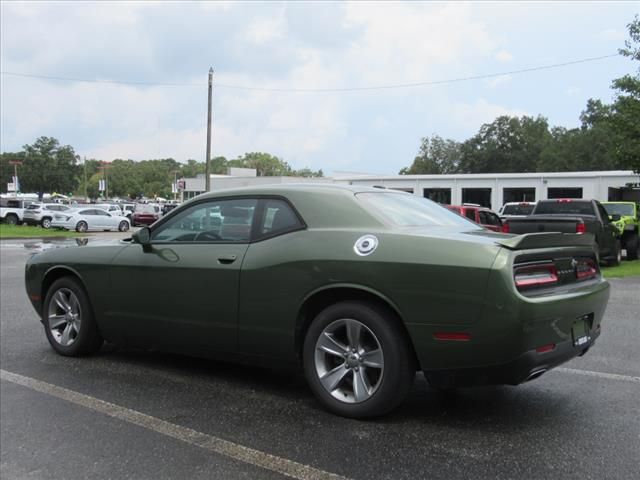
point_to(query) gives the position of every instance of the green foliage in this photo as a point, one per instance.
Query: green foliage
(46, 166)
(625, 117)
(508, 144)
(436, 156)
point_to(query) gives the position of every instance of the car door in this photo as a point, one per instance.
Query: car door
(610, 233)
(90, 217)
(267, 285)
(180, 292)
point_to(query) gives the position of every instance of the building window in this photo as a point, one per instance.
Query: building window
(518, 195)
(439, 195)
(564, 193)
(481, 196)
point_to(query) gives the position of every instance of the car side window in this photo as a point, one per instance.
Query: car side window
(278, 218)
(470, 213)
(222, 221)
(87, 212)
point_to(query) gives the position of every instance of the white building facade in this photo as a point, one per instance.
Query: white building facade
(488, 189)
(495, 189)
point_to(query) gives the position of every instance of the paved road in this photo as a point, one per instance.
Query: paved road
(173, 417)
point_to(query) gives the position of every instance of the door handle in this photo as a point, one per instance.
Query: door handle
(226, 259)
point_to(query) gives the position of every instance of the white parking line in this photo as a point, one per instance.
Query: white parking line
(610, 376)
(217, 445)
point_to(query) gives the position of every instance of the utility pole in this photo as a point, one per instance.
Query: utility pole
(207, 177)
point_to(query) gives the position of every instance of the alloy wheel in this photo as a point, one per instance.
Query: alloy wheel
(64, 317)
(349, 361)
(46, 223)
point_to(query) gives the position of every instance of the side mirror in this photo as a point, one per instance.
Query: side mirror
(142, 236)
(615, 217)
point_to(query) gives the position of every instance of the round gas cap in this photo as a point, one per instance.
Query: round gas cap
(365, 245)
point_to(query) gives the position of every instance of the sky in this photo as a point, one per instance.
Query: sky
(165, 50)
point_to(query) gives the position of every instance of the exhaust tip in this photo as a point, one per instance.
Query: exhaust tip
(536, 374)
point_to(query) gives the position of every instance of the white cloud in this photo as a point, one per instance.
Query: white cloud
(473, 115)
(612, 34)
(503, 56)
(498, 81)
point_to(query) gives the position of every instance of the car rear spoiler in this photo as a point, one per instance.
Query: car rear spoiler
(547, 240)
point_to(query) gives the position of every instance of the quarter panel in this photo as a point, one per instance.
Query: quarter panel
(431, 280)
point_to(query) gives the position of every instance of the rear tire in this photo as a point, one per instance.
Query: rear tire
(366, 382)
(632, 245)
(68, 319)
(124, 226)
(45, 223)
(617, 255)
(11, 219)
(82, 227)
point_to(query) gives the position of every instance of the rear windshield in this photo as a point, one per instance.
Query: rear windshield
(622, 209)
(563, 207)
(517, 209)
(406, 210)
(144, 208)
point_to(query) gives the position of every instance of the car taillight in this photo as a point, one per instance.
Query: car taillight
(505, 227)
(533, 276)
(581, 227)
(586, 269)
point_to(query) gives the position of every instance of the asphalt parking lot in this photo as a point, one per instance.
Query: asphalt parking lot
(138, 415)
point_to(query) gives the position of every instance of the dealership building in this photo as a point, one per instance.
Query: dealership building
(488, 189)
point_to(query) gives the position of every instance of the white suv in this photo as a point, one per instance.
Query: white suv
(42, 213)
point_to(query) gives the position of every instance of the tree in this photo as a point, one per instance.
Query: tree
(625, 117)
(508, 144)
(264, 163)
(436, 155)
(49, 167)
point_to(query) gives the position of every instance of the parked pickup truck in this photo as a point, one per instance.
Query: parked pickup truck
(567, 215)
(12, 210)
(628, 225)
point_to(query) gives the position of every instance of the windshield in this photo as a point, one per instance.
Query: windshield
(622, 209)
(518, 209)
(406, 210)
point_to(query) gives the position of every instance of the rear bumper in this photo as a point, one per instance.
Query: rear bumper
(143, 220)
(528, 366)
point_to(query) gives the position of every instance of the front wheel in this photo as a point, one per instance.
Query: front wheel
(124, 226)
(357, 360)
(68, 319)
(82, 227)
(46, 223)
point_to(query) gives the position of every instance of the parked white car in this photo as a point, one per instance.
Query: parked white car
(42, 213)
(111, 208)
(89, 218)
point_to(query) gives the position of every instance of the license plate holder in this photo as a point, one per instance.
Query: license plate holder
(581, 331)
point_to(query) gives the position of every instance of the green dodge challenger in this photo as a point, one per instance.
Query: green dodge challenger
(361, 286)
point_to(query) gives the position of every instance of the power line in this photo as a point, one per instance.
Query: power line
(320, 90)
